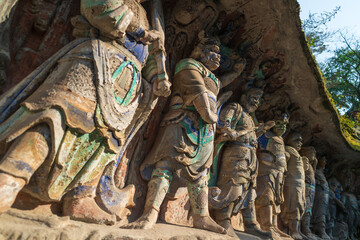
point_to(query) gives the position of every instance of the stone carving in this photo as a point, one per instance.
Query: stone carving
(351, 204)
(270, 180)
(294, 187)
(187, 19)
(6, 15)
(310, 161)
(238, 170)
(81, 110)
(321, 201)
(184, 143)
(336, 226)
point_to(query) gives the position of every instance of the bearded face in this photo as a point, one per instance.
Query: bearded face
(295, 141)
(252, 100)
(280, 128)
(210, 57)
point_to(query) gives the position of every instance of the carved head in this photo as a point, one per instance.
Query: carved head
(281, 120)
(310, 153)
(294, 139)
(207, 52)
(335, 185)
(105, 16)
(251, 99)
(322, 162)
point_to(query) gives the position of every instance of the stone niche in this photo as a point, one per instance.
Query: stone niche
(267, 34)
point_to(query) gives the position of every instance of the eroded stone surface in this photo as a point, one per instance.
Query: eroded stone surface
(22, 225)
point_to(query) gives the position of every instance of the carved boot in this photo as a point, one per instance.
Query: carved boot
(251, 225)
(319, 230)
(158, 186)
(10, 186)
(198, 194)
(265, 216)
(294, 229)
(281, 233)
(223, 218)
(305, 227)
(22, 159)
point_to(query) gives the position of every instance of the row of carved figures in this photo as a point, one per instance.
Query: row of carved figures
(65, 127)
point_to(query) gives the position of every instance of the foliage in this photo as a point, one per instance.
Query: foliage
(341, 71)
(342, 74)
(316, 31)
(351, 131)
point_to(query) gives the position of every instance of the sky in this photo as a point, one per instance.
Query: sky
(347, 19)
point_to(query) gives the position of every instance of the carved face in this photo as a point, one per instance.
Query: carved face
(210, 57)
(335, 185)
(322, 162)
(280, 127)
(295, 141)
(252, 100)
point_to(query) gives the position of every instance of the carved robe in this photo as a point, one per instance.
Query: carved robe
(184, 136)
(239, 162)
(310, 189)
(321, 200)
(294, 188)
(88, 97)
(272, 166)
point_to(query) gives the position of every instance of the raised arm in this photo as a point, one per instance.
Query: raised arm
(228, 78)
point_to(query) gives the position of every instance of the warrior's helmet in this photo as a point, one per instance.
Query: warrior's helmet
(110, 17)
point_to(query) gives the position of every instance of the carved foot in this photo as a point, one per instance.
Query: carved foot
(146, 221)
(321, 234)
(310, 236)
(257, 231)
(86, 210)
(228, 227)
(282, 234)
(207, 223)
(10, 186)
(274, 234)
(296, 236)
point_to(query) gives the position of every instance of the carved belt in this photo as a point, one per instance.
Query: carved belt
(127, 55)
(248, 145)
(310, 186)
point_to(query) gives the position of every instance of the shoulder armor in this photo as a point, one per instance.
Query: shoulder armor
(292, 151)
(191, 64)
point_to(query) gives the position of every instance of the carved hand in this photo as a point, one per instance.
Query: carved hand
(161, 88)
(239, 68)
(150, 36)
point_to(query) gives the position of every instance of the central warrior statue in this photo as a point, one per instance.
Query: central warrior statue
(270, 180)
(238, 169)
(184, 143)
(294, 187)
(310, 161)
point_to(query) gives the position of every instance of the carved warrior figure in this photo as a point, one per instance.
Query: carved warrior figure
(81, 116)
(272, 166)
(238, 170)
(309, 158)
(184, 143)
(336, 227)
(351, 203)
(294, 187)
(321, 201)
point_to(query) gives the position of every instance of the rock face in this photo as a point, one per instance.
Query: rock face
(40, 226)
(267, 34)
